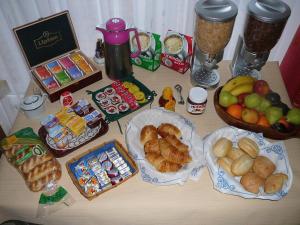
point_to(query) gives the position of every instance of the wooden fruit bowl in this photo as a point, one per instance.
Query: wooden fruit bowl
(268, 132)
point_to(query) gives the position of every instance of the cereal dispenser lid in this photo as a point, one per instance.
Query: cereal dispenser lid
(216, 10)
(269, 10)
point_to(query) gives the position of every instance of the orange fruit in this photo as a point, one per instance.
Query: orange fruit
(235, 111)
(263, 121)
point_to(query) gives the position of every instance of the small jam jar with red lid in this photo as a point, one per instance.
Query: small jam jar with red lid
(196, 101)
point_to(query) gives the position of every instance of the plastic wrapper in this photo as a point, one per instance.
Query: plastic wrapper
(52, 199)
(26, 152)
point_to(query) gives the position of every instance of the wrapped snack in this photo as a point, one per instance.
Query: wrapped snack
(25, 151)
(93, 119)
(77, 125)
(64, 115)
(42, 72)
(52, 199)
(62, 78)
(50, 83)
(49, 122)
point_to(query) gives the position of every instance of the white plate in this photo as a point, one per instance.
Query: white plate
(231, 185)
(155, 117)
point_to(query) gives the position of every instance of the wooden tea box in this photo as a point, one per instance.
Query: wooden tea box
(53, 55)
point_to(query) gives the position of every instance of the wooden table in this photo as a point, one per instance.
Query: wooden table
(138, 202)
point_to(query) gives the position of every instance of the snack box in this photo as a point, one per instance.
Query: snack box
(72, 128)
(100, 169)
(177, 51)
(150, 50)
(53, 55)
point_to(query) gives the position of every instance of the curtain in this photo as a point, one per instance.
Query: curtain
(150, 15)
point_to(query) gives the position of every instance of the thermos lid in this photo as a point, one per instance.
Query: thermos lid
(269, 11)
(115, 24)
(216, 10)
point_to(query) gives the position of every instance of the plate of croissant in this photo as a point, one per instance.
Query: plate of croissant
(244, 163)
(165, 146)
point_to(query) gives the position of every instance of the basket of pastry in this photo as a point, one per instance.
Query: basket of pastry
(165, 146)
(27, 153)
(71, 128)
(100, 169)
(243, 163)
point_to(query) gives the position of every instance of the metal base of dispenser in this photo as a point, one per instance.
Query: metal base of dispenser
(205, 78)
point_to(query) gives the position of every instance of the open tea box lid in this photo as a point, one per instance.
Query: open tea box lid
(46, 38)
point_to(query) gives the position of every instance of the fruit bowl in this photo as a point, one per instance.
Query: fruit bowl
(267, 132)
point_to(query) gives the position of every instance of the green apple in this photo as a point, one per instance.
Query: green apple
(263, 105)
(273, 114)
(226, 99)
(253, 100)
(293, 116)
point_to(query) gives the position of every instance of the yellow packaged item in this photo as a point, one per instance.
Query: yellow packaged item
(77, 125)
(64, 116)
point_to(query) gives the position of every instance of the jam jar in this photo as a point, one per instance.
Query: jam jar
(196, 101)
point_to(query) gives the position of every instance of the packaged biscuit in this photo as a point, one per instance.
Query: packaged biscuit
(150, 50)
(27, 153)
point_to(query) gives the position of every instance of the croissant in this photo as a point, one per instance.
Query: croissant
(177, 143)
(161, 164)
(152, 146)
(166, 129)
(148, 133)
(171, 153)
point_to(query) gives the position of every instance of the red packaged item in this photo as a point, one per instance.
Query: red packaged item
(177, 51)
(42, 72)
(66, 99)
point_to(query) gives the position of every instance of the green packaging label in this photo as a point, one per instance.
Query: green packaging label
(151, 51)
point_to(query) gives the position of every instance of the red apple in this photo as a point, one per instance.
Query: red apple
(241, 98)
(261, 87)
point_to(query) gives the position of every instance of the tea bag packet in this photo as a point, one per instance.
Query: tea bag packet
(53, 199)
(50, 83)
(42, 72)
(27, 153)
(62, 77)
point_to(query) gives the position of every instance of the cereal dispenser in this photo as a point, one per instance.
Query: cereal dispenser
(213, 28)
(265, 22)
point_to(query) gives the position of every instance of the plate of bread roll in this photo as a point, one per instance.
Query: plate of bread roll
(165, 146)
(244, 163)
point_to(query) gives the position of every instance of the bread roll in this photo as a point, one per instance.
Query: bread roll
(275, 182)
(251, 182)
(249, 146)
(235, 153)
(42, 182)
(226, 163)
(263, 166)
(242, 165)
(152, 146)
(166, 129)
(222, 147)
(148, 133)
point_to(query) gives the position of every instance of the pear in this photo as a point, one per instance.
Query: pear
(273, 114)
(226, 99)
(263, 105)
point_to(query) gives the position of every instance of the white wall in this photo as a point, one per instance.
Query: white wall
(151, 15)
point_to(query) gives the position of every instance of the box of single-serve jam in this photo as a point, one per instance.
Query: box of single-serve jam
(53, 56)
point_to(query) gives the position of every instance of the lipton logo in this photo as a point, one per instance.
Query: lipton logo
(47, 39)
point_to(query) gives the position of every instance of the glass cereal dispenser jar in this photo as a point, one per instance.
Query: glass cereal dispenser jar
(265, 22)
(213, 29)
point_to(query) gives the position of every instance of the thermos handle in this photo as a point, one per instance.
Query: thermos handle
(136, 54)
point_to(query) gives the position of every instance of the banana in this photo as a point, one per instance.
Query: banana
(236, 81)
(242, 88)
